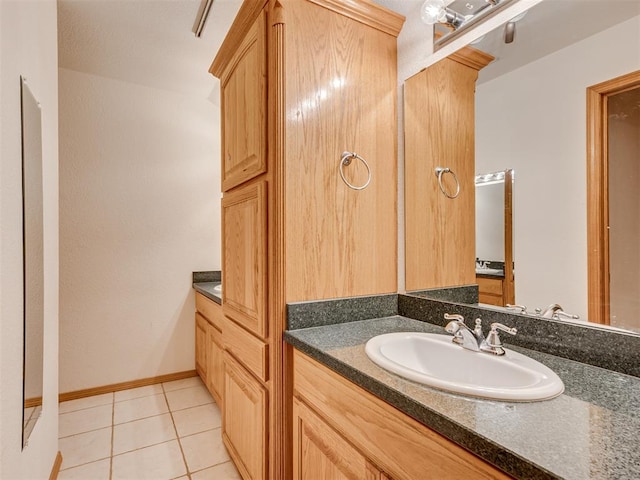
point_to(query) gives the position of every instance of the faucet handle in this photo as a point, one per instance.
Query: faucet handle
(522, 308)
(504, 328)
(562, 314)
(454, 316)
(493, 339)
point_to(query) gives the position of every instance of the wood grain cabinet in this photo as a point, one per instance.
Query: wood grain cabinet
(245, 420)
(491, 290)
(244, 97)
(342, 431)
(322, 453)
(209, 346)
(440, 231)
(201, 346)
(244, 242)
(302, 81)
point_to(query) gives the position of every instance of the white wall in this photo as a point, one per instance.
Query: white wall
(28, 47)
(139, 212)
(534, 121)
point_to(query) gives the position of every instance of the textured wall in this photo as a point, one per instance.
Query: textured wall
(28, 47)
(139, 211)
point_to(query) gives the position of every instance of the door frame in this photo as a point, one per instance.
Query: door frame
(598, 193)
(509, 289)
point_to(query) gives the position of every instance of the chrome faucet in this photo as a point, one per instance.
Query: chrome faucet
(474, 339)
(548, 312)
(522, 308)
(555, 311)
(463, 335)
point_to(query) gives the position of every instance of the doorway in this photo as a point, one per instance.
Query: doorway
(613, 207)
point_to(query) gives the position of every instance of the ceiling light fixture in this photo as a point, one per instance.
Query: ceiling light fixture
(201, 17)
(510, 28)
(435, 11)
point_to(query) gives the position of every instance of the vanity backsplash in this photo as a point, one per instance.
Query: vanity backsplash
(582, 342)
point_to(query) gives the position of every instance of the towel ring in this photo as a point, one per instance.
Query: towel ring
(440, 171)
(345, 160)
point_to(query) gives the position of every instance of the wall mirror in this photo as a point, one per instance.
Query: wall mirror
(33, 278)
(531, 115)
(494, 237)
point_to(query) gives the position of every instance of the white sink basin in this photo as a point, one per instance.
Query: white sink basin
(218, 288)
(489, 271)
(437, 362)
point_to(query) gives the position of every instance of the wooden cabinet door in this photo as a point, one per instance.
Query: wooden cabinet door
(341, 94)
(439, 132)
(244, 246)
(319, 452)
(215, 364)
(201, 346)
(244, 425)
(243, 87)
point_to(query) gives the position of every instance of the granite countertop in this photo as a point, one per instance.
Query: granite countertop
(206, 288)
(588, 432)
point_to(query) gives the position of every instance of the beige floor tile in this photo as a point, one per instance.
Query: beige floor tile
(142, 433)
(204, 450)
(224, 471)
(139, 408)
(99, 470)
(188, 397)
(84, 420)
(159, 462)
(87, 402)
(85, 447)
(197, 419)
(132, 393)
(184, 383)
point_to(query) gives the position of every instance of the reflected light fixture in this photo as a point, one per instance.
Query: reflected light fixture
(435, 11)
(201, 17)
(510, 28)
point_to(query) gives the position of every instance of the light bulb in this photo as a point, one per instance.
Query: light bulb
(433, 11)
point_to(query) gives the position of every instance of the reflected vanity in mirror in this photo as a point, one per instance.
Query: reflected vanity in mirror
(531, 115)
(33, 278)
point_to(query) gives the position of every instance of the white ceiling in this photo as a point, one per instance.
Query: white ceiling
(147, 42)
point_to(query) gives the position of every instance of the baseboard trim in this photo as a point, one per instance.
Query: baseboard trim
(55, 470)
(33, 402)
(115, 387)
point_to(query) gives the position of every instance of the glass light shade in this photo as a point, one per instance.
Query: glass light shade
(433, 11)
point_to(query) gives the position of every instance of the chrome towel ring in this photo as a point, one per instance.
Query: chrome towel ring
(345, 160)
(440, 171)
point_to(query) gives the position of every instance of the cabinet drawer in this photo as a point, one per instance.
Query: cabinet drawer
(490, 285)
(210, 310)
(246, 348)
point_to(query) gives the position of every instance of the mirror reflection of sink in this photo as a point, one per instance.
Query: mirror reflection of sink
(435, 361)
(218, 288)
(489, 271)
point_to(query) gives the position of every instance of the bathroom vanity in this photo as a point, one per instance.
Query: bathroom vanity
(209, 347)
(588, 432)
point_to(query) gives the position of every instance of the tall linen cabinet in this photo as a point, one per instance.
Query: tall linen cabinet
(302, 81)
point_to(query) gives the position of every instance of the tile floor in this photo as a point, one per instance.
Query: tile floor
(158, 432)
